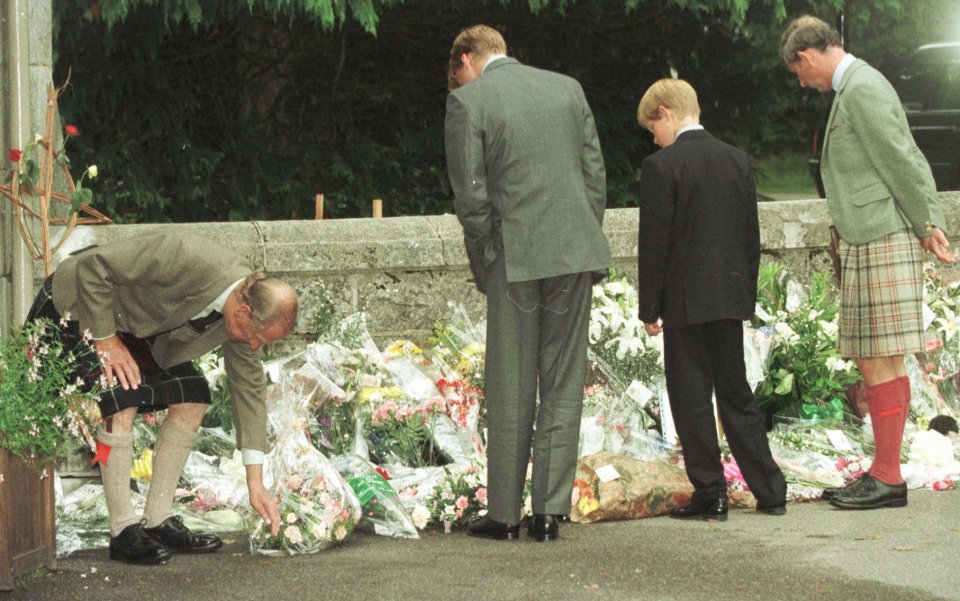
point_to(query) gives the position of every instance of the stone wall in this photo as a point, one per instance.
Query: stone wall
(404, 270)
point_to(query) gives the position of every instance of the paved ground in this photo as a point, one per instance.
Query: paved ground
(814, 552)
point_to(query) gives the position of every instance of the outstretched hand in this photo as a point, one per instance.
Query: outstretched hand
(260, 499)
(117, 363)
(938, 245)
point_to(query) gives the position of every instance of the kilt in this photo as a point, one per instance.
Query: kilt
(181, 383)
(881, 297)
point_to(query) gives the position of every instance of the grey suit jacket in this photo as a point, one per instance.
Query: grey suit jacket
(525, 166)
(876, 179)
(153, 285)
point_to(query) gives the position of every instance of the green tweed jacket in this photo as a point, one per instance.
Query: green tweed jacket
(153, 285)
(524, 158)
(876, 179)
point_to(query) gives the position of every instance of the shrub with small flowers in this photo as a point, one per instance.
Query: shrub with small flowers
(45, 412)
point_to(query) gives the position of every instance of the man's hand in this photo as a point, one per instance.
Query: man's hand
(653, 328)
(937, 245)
(117, 362)
(260, 498)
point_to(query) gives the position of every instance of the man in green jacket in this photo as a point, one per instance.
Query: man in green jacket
(151, 305)
(529, 182)
(882, 200)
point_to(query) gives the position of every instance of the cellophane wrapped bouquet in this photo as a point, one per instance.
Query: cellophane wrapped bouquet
(317, 507)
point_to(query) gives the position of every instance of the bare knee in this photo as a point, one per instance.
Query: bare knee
(187, 416)
(882, 369)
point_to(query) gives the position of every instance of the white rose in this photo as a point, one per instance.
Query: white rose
(420, 516)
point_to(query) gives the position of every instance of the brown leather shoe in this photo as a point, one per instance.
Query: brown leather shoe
(172, 534)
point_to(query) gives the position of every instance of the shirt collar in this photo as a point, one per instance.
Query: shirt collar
(217, 303)
(493, 57)
(845, 62)
(691, 127)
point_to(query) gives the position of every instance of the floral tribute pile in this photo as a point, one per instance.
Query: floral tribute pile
(392, 441)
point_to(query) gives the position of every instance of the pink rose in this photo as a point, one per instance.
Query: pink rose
(462, 502)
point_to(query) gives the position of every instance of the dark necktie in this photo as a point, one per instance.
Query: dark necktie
(200, 324)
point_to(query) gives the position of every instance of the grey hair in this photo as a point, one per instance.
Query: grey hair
(271, 301)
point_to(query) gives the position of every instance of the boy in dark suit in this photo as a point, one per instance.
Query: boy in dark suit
(698, 223)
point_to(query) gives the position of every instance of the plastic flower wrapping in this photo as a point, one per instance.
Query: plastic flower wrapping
(317, 507)
(404, 427)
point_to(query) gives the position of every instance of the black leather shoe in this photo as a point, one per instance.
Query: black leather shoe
(772, 510)
(544, 527)
(707, 509)
(134, 545)
(871, 493)
(487, 528)
(178, 538)
(829, 493)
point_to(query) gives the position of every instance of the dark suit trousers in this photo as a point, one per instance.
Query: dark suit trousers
(700, 360)
(536, 343)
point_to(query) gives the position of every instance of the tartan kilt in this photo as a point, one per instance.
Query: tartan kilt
(881, 297)
(182, 383)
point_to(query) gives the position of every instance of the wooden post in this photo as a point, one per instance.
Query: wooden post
(318, 214)
(377, 208)
(28, 535)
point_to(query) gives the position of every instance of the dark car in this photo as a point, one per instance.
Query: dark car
(929, 88)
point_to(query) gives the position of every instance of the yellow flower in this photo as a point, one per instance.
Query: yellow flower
(587, 505)
(143, 467)
(404, 347)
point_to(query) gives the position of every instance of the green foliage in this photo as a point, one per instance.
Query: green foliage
(205, 110)
(43, 414)
(806, 375)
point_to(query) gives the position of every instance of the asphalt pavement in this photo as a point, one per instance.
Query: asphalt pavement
(813, 552)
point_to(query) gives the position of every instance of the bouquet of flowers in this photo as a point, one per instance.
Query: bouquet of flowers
(806, 376)
(317, 507)
(382, 511)
(461, 496)
(627, 359)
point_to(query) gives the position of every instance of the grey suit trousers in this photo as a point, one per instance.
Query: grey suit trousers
(537, 336)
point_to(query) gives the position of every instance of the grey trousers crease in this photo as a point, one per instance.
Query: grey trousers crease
(537, 336)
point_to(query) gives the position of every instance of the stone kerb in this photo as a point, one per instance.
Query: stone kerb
(403, 271)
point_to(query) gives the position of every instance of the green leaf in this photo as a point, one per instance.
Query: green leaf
(80, 196)
(785, 385)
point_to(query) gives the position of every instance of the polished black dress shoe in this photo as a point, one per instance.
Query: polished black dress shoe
(829, 493)
(706, 509)
(134, 545)
(172, 534)
(487, 528)
(772, 509)
(871, 493)
(544, 527)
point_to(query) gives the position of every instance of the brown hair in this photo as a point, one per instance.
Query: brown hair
(674, 94)
(804, 33)
(272, 301)
(479, 40)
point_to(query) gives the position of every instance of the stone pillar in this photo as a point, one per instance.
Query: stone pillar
(26, 57)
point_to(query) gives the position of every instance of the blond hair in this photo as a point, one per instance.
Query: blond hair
(674, 94)
(479, 40)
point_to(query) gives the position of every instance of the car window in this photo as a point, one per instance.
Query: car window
(951, 87)
(918, 83)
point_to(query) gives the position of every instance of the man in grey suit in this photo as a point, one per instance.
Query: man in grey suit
(151, 305)
(884, 204)
(529, 182)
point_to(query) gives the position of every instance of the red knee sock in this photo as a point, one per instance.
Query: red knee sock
(889, 405)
